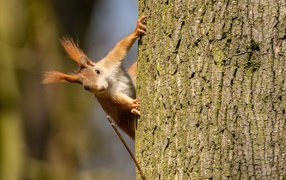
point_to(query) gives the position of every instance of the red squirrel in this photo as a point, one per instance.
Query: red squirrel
(112, 85)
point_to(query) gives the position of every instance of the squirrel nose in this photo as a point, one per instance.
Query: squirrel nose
(101, 88)
(86, 88)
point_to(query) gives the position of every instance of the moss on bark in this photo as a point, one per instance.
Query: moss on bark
(212, 86)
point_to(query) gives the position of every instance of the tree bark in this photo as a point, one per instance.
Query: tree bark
(212, 81)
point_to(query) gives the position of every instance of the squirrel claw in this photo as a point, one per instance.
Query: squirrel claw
(135, 111)
(142, 18)
(136, 101)
(140, 28)
(135, 106)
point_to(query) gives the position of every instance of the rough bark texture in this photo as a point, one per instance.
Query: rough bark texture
(212, 85)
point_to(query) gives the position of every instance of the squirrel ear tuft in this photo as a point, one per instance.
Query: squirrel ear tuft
(84, 61)
(55, 76)
(74, 52)
(72, 49)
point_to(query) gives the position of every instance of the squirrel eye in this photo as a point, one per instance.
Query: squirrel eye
(97, 72)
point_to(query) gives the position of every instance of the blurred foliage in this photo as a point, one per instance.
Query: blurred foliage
(44, 130)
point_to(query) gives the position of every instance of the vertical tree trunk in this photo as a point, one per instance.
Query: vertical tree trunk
(212, 85)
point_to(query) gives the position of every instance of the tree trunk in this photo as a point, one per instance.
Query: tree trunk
(212, 81)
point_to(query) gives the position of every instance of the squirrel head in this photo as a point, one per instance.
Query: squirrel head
(90, 75)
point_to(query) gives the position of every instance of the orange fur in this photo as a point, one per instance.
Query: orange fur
(72, 49)
(55, 76)
(74, 52)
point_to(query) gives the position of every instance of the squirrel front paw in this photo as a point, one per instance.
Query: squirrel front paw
(140, 28)
(135, 106)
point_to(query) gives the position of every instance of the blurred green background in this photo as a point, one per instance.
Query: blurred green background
(58, 131)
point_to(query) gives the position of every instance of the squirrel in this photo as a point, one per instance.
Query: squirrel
(112, 85)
